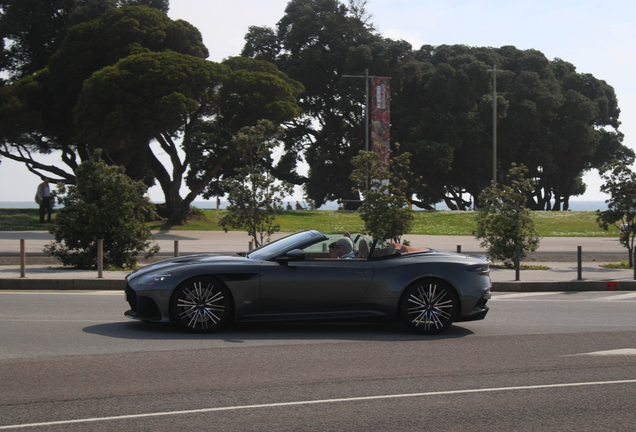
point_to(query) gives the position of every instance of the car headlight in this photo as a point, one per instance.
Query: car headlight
(154, 278)
(483, 269)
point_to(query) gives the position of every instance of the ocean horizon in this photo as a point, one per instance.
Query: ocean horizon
(331, 205)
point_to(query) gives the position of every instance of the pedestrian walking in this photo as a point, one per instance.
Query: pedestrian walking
(45, 199)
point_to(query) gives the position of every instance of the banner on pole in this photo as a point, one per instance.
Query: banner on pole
(381, 117)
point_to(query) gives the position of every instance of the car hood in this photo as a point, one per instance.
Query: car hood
(167, 264)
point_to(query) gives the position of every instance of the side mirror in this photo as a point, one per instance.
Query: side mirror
(292, 255)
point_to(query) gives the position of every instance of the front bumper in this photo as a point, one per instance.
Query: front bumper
(141, 308)
(479, 311)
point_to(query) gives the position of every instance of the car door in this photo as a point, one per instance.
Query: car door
(321, 284)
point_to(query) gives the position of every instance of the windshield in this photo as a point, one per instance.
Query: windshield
(292, 241)
(328, 247)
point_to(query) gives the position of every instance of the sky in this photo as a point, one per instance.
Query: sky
(598, 37)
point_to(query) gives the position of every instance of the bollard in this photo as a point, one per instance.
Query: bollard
(459, 248)
(100, 258)
(579, 258)
(517, 255)
(22, 259)
(251, 245)
(176, 248)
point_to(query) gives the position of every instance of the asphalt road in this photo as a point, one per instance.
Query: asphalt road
(539, 361)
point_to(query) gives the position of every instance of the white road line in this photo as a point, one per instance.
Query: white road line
(313, 402)
(622, 351)
(620, 297)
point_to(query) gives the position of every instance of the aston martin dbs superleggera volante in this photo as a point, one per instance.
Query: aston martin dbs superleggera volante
(306, 276)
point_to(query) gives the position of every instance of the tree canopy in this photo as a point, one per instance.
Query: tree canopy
(556, 121)
(39, 107)
(65, 56)
(170, 96)
(33, 30)
(134, 76)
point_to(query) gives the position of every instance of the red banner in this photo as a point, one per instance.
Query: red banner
(381, 116)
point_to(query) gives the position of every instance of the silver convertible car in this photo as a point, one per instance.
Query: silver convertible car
(309, 275)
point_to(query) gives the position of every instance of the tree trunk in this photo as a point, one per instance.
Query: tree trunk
(450, 204)
(566, 203)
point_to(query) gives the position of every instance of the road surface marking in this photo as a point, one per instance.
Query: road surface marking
(623, 351)
(620, 297)
(313, 402)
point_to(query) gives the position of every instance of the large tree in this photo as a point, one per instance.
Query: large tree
(33, 30)
(317, 42)
(170, 97)
(557, 122)
(38, 108)
(442, 108)
(134, 76)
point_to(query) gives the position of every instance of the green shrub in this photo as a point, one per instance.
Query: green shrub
(385, 210)
(255, 197)
(503, 219)
(104, 204)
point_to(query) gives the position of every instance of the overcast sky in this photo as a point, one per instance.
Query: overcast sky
(598, 37)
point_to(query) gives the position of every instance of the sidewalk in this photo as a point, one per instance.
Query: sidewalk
(238, 241)
(557, 253)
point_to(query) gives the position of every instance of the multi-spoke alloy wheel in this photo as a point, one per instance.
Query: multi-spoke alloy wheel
(428, 307)
(201, 305)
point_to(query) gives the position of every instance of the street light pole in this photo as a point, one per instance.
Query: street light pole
(366, 110)
(494, 123)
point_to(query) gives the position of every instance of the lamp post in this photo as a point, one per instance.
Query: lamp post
(494, 122)
(366, 109)
(366, 101)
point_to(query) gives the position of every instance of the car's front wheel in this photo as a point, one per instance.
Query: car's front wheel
(201, 305)
(428, 307)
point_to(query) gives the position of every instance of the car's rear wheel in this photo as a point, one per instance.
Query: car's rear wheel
(428, 307)
(201, 305)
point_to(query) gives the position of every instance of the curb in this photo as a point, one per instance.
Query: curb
(564, 286)
(63, 284)
(120, 285)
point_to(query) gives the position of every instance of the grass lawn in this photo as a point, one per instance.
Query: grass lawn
(548, 224)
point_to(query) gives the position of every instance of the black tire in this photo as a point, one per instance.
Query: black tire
(201, 305)
(428, 307)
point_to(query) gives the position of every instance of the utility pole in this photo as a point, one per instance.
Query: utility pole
(494, 122)
(366, 110)
(366, 101)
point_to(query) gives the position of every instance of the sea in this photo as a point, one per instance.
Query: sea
(332, 205)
